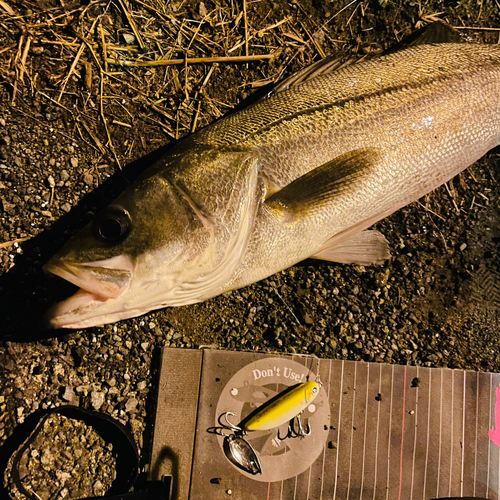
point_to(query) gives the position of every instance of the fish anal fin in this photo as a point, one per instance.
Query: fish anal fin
(313, 191)
(369, 247)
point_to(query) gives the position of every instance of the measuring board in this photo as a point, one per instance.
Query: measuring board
(378, 432)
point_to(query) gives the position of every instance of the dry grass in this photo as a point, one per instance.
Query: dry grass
(113, 66)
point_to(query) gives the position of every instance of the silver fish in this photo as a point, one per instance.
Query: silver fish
(303, 173)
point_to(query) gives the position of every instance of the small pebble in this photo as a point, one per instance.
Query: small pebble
(97, 399)
(88, 179)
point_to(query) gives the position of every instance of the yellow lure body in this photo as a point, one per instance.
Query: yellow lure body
(284, 408)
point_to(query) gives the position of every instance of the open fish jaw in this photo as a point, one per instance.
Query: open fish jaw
(99, 282)
(106, 278)
(63, 314)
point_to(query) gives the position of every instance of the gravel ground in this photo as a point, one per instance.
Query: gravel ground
(64, 451)
(436, 303)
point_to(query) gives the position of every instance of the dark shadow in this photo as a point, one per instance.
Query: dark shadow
(151, 410)
(168, 455)
(26, 292)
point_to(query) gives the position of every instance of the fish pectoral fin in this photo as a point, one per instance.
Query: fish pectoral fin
(309, 194)
(369, 247)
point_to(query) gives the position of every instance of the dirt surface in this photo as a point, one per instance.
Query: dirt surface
(81, 116)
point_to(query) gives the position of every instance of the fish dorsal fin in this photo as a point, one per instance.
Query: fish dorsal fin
(310, 193)
(322, 67)
(436, 32)
(369, 247)
(439, 32)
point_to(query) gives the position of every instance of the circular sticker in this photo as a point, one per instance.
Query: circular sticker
(282, 453)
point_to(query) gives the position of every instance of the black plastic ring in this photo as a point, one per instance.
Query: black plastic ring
(112, 431)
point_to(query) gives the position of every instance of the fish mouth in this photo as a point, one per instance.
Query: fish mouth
(98, 281)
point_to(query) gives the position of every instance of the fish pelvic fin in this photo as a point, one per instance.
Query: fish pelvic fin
(310, 193)
(369, 247)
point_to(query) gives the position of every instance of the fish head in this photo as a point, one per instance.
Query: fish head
(149, 230)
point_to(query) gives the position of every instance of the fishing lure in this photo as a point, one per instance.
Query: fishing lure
(284, 407)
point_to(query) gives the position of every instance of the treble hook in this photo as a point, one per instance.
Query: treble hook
(292, 433)
(236, 430)
(303, 431)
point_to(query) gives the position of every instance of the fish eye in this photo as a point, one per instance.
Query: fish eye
(112, 225)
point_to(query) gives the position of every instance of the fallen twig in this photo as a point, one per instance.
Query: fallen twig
(133, 26)
(71, 69)
(192, 60)
(7, 244)
(20, 65)
(7, 8)
(475, 28)
(245, 20)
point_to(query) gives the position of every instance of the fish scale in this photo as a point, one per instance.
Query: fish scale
(407, 73)
(420, 154)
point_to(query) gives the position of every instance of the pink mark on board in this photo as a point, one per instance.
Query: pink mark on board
(495, 431)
